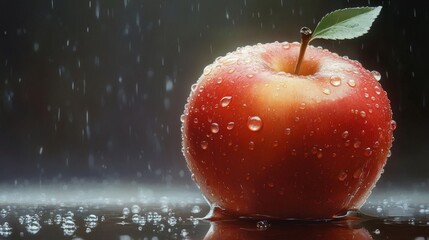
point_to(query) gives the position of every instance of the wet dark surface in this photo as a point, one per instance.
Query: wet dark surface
(398, 216)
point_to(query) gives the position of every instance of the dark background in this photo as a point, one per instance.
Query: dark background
(94, 89)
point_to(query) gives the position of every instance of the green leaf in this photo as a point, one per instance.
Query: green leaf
(346, 23)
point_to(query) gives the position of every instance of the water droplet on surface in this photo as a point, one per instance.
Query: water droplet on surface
(254, 123)
(249, 75)
(194, 87)
(302, 106)
(196, 209)
(376, 75)
(204, 145)
(362, 114)
(288, 131)
(184, 233)
(351, 83)
(230, 125)
(392, 125)
(126, 211)
(262, 225)
(326, 91)
(342, 176)
(219, 80)
(367, 152)
(135, 209)
(296, 119)
(345, 134)
(319, 155)
(251, 145)
(214, 128)
(224, 102)
(335, 81)
(231, 70)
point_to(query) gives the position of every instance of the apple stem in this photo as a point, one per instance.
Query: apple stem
(305, 39)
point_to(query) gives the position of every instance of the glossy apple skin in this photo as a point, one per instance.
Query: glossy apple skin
(264, 143)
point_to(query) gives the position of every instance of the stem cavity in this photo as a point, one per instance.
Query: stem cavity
(305, 39)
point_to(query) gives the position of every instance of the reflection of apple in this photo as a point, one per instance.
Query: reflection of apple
(262, 142)
(248, 230)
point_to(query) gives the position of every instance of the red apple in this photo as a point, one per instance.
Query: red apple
(262, 142)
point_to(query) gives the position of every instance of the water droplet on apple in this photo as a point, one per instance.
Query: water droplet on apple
(389, 153)
(195, 120)
(276, 143)
(214, 128)
(351, 83)
(345, 134)
(219, 80)
(376, 75)
(194, 87)
(182, 118)
(254, 123)
(356, 144)
(366, 95)
(347, 143)
(319, 155)
(286, 45)
(342, 176)
(229, 60)
(296, 119)
(204, 145)
(251, 145)
(302, 106)
(335, 81)
(231, 70)
(287, 131)
(207, 70)
(230, 125)
(270, 184)
(393, 125)
(362, 114)
(224, 102)
(376, 144)
(358, 173)
(249, 75)
(367, 152)
(326, 91)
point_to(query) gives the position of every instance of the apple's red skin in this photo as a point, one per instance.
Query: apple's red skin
(320, 147)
